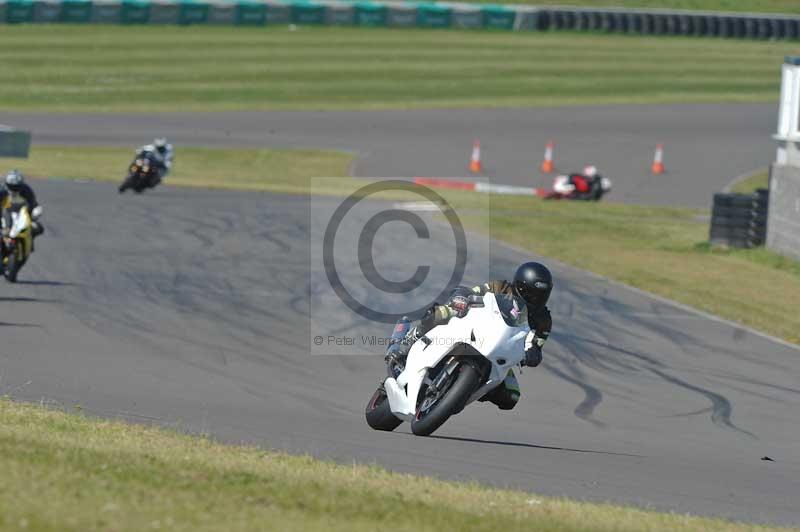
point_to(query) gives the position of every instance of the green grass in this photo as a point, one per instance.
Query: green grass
(258, 169)
(749, 184)
(658, 249)
(755, 6)
(661, 250)
(68, 472)
(142, 68)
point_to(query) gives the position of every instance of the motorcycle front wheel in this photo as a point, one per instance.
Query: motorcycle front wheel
(126, 184)
(378, 414)
(434, 411)
(12, 267)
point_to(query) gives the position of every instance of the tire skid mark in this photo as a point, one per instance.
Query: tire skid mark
(721, 407)
(592, 396)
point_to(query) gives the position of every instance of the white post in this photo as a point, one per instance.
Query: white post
(788, 134)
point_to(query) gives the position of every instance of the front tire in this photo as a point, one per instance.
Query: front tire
(126, 184)
(451, 403)
(378, 413)
(12, 267)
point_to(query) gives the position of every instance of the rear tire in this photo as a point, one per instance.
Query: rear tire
(454, 400)
(378, 414)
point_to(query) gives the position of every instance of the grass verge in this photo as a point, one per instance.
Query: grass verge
(68, 472)
(119, 68)
(249, 169)
(661, 250)
(751, 183)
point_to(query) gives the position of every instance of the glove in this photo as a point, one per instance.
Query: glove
(36, 212)
(533, 351)
(412, 336)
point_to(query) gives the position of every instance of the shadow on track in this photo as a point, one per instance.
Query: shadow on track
(531, 446)
(10, 324)
(46, 283)
(26, 300)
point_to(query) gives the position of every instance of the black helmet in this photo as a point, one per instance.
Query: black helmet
(533, 283)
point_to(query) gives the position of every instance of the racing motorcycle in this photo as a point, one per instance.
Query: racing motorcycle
(450, 367)
(564, 189)
(17, 241)
(144, 172)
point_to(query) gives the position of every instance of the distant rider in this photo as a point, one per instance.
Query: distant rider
(162, 154)
(526, 297)
(598, 185)
(20, 192)
(586, 186)
(5, 205)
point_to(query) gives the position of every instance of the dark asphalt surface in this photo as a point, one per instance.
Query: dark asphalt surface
(706, 145)
(193, 309)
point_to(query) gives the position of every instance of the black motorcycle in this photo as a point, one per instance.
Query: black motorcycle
(144, 172)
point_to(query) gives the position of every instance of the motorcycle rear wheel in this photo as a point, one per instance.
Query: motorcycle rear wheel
(378, 414)
(450, 403)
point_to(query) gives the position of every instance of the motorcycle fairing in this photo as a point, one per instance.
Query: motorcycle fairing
(483, 329)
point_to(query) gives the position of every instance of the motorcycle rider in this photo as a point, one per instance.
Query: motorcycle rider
(19, 191)
(598, 185)
(587, 186)
(526, 300)
(162, 153)
(5, 219)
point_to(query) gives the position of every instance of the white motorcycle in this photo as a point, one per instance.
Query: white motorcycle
(451, 366)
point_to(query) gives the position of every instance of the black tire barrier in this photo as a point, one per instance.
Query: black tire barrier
(733, 200)
(673, 24)
(558, 20)
(731, 223)
(700, 25)
(570, 20)
(792, 28)
(648, 24)
(619, 22)
(739, 220)
(595, 21)
(713, 25)
(730, 212)
(582, 21)
(259, 12)
(544, 21)
(634, 22)
(659, 24)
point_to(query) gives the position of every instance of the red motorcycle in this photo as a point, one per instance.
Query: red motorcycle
(578, 187)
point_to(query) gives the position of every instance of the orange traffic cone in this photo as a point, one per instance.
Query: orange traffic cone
(547, 164)
(475, 161)
(658, 160)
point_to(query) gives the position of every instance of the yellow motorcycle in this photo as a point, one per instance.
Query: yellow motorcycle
(17, 240)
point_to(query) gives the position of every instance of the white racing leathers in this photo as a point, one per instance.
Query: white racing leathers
(483, 332)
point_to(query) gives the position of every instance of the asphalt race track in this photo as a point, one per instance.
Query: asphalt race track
(706, 145)
(193, 309)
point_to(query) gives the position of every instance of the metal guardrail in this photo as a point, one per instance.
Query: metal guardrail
(404, 14)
